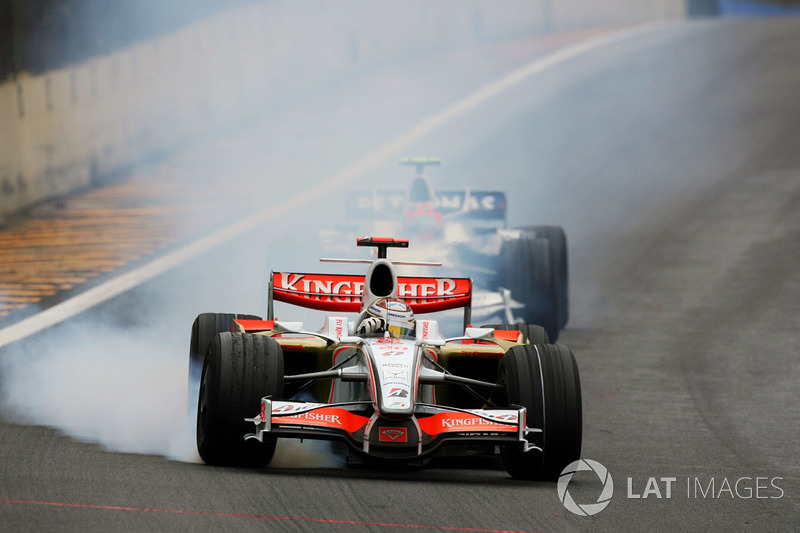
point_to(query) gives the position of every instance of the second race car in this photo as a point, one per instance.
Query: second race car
(521, 275)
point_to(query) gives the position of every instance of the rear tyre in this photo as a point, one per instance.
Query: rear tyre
(557, 243)
(239, 369)
(527, 273)
(544, 379)
(531, 333)
(204, 328)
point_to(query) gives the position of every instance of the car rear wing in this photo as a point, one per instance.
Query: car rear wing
(420, 162)
(481, 205)
(342, 292)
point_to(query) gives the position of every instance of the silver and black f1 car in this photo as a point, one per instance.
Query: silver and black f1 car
(398, 394)
(520, 274)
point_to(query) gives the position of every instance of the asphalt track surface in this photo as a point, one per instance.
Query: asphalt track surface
(672, 160)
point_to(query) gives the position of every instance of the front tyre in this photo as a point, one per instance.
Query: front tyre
(544, 379)
(239, 369)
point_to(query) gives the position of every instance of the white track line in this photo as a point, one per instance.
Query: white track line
(114, 287)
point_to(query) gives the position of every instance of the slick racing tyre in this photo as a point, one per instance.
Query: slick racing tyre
(527, 272)
(544, 379)
(531, 333)
(557, 244)
(239, 369)
(204, 328)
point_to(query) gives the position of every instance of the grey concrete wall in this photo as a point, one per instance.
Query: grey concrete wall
(62, 130)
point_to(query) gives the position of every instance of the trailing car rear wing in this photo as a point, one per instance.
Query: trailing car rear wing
(343, 292)
(420, 162)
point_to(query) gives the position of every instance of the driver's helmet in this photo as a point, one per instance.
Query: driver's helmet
(395, 316)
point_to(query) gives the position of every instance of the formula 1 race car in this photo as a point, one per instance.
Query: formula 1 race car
(520, 275)
(387, 384)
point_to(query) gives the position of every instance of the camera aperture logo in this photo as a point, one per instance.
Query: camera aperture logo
(585, 509)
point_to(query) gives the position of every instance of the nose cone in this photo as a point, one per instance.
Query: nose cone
(420, 191)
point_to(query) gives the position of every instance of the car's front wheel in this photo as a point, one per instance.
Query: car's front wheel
(544, 379)
(239, 369)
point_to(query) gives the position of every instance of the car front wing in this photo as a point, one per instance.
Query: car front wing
(365, 431)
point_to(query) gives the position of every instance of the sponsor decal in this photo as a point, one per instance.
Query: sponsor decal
(393, 434)
(399, 383)
(331, 417)
(389, 374)
(463, 422)
(394, 305)
(291, 347)
(338, 327)
(311, 415)
(488, 353)
(475, 201)
(286, 407)
(434, 288)
(322, 285)
(388, 340)
(342, 292)
(425, 329)
(398, 393)
(380, 203)
(346, 287)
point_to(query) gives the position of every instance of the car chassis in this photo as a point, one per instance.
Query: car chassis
(386, 398)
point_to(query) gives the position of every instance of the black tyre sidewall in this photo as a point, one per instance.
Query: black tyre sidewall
(204, 328)
(239, 370)
(557, 243)
(544, 379)
(528, 275)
